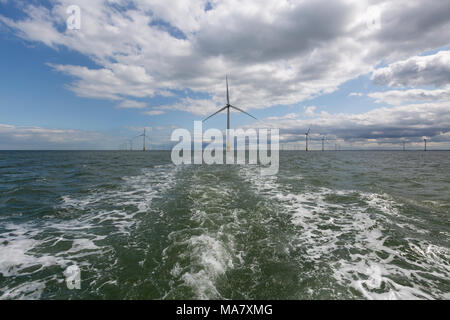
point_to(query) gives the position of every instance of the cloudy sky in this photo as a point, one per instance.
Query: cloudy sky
(365, 73)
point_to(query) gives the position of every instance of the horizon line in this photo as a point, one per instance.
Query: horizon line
(141, 151)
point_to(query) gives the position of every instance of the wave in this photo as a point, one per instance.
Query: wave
(82, 231)
(206, 250)
(357, 235)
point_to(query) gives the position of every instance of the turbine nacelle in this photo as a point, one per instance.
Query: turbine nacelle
(306, 137)
(144, 135)
(227, 107)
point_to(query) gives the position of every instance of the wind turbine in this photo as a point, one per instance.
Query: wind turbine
(425, 140)
(144, 135)
(306, 136)
(323, 143)
(227, 107)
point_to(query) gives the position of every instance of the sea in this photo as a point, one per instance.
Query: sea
(329, 225)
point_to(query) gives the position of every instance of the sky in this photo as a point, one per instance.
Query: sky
(366, 74)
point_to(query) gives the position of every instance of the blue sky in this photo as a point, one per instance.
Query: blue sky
(162, 65)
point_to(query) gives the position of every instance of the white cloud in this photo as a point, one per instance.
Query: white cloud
(416, 71)
(287, 116)
(431, 70)
(398, 97)
(199, 107)
(382, 124)
(154, 112)
(132, 104)
(310, 110)
(276, 51)
(112, 83)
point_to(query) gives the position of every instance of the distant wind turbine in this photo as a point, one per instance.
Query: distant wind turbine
(227, 107)
(144, 135)
(425, 140)
(306, 136)
(323, 143)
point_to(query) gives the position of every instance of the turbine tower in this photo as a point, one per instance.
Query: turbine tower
(425, 140)
(227, 107)
(323, 143)
(144, 135)
(306, 137)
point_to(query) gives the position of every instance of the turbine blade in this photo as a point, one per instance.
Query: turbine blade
(220, 110)
(228, 94)
(243, 112)
(141, 135)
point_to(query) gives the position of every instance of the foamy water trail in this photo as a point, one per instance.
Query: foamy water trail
(354, 232)
(205, 250)
(328, 226)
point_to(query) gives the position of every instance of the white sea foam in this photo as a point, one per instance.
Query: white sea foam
(358, 225)
(28, 248)
(208, 251)
(133, 197)
(16, 251)
(213, 258)
(30, 290)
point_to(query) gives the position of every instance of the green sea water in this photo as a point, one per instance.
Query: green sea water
(329, 225)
